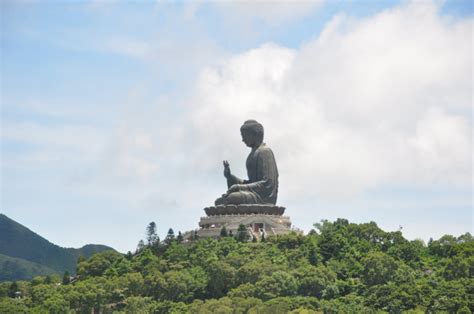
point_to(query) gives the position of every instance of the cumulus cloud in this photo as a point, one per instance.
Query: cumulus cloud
(381, 100)
(269, 11)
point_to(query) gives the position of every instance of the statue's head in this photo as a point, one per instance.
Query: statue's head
(252, 133)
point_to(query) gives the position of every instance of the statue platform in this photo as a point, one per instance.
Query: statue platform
(245, 209)
(259, 220)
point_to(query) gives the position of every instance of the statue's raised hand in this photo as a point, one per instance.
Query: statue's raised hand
(227, 173)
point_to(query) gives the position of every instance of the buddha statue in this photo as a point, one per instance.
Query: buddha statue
(262, 184)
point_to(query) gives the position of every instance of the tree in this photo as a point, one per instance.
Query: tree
(444, 247)
(180, 237)
(176, 253)
(170, 236)
(48, 280)
(13, 289)
(184, 285)
(221, 279)
(313, 281)
(224, 232)
(313, 256)
(450, 297)
(407, 251)
(140, 246)
(135, 283)
(379, 268)
(151, 235)
(280, 283)
(242, 234)
(66, 277)
(333, 239)
(8, 305)
(138, 304)
(457, 268)
(255, 269)
(99, 263)
(80, 259)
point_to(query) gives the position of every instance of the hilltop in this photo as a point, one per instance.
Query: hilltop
(340, 267)
(25, 254)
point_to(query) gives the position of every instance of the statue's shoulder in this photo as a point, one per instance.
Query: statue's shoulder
(264, 150)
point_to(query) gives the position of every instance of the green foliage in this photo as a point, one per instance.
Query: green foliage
(458, 268)
(379, 268)
(180, 237)
(12, 268)
(140, 246)
(184, 285)
(24, 254)
(170, 237)
(66, 278)
(242, 234)
(12, 289)
(315, 281)
(139, 305)
(98, 264)
(151, 235)
(222, 278)
(342, 268)
(333, 239)
(280, 283)
(224, 232)
(8, 305)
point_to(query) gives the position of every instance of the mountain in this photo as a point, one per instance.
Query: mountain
(13, 268)
(27, 254)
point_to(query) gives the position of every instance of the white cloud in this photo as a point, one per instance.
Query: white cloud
(382, 100)
(55, 140)
(269, 11)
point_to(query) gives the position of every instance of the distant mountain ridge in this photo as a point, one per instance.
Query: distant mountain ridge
(30, 254)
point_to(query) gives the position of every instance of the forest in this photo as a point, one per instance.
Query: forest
(338, 267)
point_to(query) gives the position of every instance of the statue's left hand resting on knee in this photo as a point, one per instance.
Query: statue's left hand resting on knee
(262, 185)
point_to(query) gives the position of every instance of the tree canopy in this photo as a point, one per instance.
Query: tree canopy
(339, 267)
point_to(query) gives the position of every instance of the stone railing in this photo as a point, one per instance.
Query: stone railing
(244, 215)
(245, 209)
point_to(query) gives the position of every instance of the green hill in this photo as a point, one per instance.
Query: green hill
(341, 267)
(17, 241)
(12, 268)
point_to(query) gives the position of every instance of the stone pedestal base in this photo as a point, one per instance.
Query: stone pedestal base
(244, 209)
(259, 220)
(257, 225)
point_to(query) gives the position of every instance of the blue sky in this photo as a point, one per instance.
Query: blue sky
(115, 114)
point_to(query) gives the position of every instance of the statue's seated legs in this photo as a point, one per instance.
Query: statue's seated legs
(237, 198)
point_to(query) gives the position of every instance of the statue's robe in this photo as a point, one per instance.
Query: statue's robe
(262, 185)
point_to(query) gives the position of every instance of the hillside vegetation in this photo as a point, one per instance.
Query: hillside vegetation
(12, 268)
(26, 254)
(341, 267)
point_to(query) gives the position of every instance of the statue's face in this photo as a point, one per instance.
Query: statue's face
(249, 138)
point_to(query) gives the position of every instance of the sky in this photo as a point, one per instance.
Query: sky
(115, 114)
